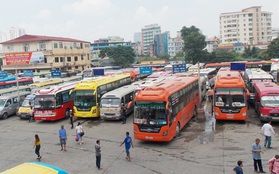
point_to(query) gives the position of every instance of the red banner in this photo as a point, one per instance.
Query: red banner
(25, 58)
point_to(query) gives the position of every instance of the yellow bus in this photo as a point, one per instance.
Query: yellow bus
(46, 83)
(72, 79)
(88, 94)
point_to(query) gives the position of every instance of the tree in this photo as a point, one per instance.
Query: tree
(121, 56)
(194, 43)
(223, 56)
(164, 56)
(251, 53)
(264, 55)
(273, 48)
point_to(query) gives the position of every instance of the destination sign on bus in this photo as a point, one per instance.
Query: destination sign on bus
(229, 91)
(151, 105)
(85, 92)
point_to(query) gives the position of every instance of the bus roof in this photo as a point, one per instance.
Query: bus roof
(92, 84)
(35, 168)
(228, 79)
(71, 79)
(14, 95)
(267, 88)
(256, 73)
(46, 83)
(14, 89)
(120, 92)
(55, 89)
(163, 90)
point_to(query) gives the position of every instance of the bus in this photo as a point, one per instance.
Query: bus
(72, 79)
(110, 106)
(274, 71)
(35, 168)
(21, 82)
(230, 96)
(267, 101)
(15, 89)
(24, 110)
(54, 103)
(88, 94)
(162, 110)
(46, 83)
(252, 76)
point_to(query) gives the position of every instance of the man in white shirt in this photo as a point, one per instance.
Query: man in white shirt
(267, 131)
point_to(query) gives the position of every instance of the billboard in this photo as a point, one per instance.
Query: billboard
(179, 68)
(145, 70)
(25, 58)
(238, 66)
(3, 74)
(55, 73)
(98, 72)
(28, 73)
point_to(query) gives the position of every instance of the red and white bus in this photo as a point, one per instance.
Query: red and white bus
(22, 81)
(54, 103)
(267, 100)
(162, 110)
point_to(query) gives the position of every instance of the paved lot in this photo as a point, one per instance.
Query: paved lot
(203, 147)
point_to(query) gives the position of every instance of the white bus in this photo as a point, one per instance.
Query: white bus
(110, 106)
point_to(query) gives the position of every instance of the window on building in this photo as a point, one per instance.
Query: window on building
(87, 56)
(76, 58)
(10, 48)
(76, 67)
(55, 45)
(25, 47)
(42, 45)
(81, 57)
(69, 68)
(60, 44)
(69, 59)
(67, 45)
(56, 59)
(61, 59)
(74, 45)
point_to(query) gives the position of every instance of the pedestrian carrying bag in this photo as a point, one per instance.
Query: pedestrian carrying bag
(81, 134)
(76, 137)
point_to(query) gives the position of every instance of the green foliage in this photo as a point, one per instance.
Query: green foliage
(194, 43)
(121, 56)
(179, 54)
(164, 56)
(251, 53)
(273, 48)
(264, 55)
(223, 56)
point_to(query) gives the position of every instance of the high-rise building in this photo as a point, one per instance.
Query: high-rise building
(148, 34)
(175, 45)
(161, 43)
(249, 26)
(15, 32)
(275, 33)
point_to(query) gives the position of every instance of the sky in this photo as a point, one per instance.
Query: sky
(91, 20)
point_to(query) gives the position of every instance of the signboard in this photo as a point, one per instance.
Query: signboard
(3, 74)
(55, 73)
(179, 68)
(238, 66)
(145, 70)
(25, 58)
(98, 72)
(28, 73)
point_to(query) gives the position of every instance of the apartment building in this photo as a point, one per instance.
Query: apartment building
(45, 53)
(148, 35)
(175, 45)
(249, 26)
(161, 43)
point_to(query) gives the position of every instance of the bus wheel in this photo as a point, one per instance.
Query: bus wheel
(5, 115)
(67, 113)
(177, 130)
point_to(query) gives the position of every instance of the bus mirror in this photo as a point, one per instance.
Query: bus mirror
(71, 92)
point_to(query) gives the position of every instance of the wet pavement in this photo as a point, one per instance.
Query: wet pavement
(202, 147)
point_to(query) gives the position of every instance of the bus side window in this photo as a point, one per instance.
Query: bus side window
(59, 99)
(122, 100)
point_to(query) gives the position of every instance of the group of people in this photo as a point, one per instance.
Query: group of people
(257, 150)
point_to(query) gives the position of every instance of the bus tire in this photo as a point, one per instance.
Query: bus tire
(5, 115)
(177, 130)
(67, 113)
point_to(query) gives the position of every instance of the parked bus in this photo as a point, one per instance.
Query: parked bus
(162, 110)
(89, 92)
(72, 79)
(22, 81)
(54, 103)
(50, 82)
(267, 100)
(15, 89)
(110, 107)
(35, 168)
(24, 110)
(252, 76)
(274, 71)
(230, 96)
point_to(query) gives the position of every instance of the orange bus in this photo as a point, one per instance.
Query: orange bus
(230, 96)
(162, 110)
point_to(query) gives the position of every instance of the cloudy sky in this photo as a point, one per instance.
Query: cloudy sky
(90, 20)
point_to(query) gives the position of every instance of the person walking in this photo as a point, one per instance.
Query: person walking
(72, 118)
(123, 113)
(37, 146)
(256, 153)
(31, 118)
(79, 133)
(128, 143)
(238, 169)
(63, 138)
(274, 165)
(267, 131)
(98, 154)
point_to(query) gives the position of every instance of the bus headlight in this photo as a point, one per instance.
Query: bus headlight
(216, 113)
(165, 133)
(102, 114)
(135, 132)
(263, 115)
(94, 111)
(244, 114)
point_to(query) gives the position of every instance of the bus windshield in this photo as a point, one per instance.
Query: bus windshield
(27, 102)
(85, 98)
(2, 103)
(110, 102)
(45, 102)
(150, 113)
(270, 101)
(229, 97)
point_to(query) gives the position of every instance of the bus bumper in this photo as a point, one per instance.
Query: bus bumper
(269, 118)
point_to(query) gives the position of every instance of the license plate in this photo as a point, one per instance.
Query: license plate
(230, 116)
(84, 114)
(149, 138)
(275, 118)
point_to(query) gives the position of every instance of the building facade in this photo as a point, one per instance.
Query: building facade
(148, 34)
(275, 33)
(175, 45)
(161, 43)
(211, 44)
(249, 26)
(56, 53)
